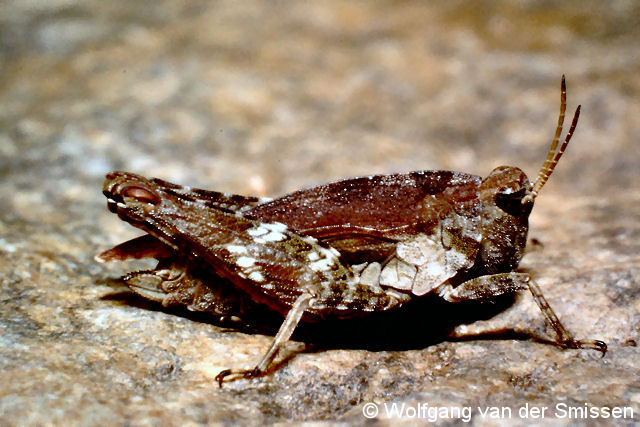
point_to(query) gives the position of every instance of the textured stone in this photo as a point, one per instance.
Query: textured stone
(262, 98)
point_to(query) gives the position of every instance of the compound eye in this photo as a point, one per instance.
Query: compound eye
(141, 194)
(511, 201)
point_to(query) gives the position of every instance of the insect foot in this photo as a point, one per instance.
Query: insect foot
(232, 375)
(344, 249)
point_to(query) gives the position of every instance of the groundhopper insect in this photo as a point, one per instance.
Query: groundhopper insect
(339, 250)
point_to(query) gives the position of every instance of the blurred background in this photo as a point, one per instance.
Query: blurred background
(264, 98)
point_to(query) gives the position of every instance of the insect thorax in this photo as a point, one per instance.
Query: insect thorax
(505, 219)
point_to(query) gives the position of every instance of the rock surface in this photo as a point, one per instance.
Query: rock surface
(262, 98)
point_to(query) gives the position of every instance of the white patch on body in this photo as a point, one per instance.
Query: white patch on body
(323, 264)
(398, 274)
(236, 249)
(357, 268)
(275, 226)
(274, 236)
(435, 264)
(418, 249)
(434, 269)
(328, 252)
(457, 260)
(245, 261)
(256, 276)
(268, 232)
(257, 231)
(370, 275)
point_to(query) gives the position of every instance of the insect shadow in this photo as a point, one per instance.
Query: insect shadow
(421, 323)
(417, 325)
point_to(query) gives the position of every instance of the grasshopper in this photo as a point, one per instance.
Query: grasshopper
(339, 250)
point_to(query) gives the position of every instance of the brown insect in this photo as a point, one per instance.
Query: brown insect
(338, 250)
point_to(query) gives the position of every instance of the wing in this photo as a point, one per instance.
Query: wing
(364, 218)
(145, 246)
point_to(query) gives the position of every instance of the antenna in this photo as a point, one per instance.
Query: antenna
(553, 156)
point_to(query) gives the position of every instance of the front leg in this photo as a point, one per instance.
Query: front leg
(486, 287)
